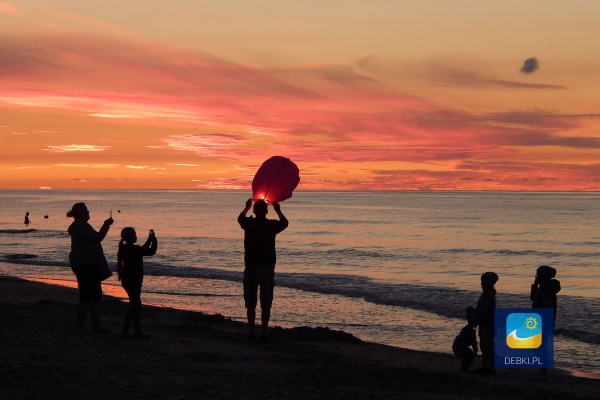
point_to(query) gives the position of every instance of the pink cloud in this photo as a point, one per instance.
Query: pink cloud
(493, 176)
(111, 78)
(312, 113)
(211, 145)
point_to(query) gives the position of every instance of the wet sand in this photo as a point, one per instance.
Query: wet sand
(192, 355)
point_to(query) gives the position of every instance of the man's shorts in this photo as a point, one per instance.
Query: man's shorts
(255, 277)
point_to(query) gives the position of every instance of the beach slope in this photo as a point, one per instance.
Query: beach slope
(197, 356)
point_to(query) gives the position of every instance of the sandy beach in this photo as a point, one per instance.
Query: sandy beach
(192, 355)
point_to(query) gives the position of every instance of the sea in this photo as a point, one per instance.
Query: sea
(392, 267)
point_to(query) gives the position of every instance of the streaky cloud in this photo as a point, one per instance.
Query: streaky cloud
(70, 148)
(211, 145)
(521, 85)
(456, 69)
(87, 165)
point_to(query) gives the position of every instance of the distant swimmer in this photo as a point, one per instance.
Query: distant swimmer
(27, 221)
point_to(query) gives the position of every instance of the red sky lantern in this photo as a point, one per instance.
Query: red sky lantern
(275, 180)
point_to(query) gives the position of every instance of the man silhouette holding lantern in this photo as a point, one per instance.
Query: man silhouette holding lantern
(259, 259)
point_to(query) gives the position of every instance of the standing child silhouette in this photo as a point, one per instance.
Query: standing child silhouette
(130, 267)
(484, 316)
(543, 293)
(544, 289)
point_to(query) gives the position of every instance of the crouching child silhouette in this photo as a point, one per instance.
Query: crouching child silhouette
(465, 343)
(130, 268)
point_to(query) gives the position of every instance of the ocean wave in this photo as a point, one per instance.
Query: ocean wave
(35, 233)
(352, 252)
(32, 259)
(503, 252)
(314, 233)
(13, 257)
(444, 301)
(188, 294)
(337, 222)
(584, 336)
(516, 253)
(16, 231)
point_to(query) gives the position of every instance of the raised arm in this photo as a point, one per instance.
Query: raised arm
(282, 217)
(244, 212)
(81, 231)
(104, 230)
(150, 246)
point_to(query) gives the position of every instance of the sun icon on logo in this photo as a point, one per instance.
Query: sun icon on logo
(531, 323)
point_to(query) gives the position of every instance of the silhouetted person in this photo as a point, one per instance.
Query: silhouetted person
(544, 289)
(259, 259)
(465, 344)
(88, 263)
(130, 268)
(543, 293)
(484, 316)
(27, 221)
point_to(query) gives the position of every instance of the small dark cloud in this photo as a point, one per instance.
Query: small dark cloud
(530, 65)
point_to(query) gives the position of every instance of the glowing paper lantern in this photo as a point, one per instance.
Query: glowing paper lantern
(275, 180)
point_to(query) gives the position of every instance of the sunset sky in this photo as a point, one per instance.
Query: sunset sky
(390, 94)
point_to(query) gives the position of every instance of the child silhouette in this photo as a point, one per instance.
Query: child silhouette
(465, 343)
(130, 268)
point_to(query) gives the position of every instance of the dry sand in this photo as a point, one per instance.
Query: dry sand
(197, 356)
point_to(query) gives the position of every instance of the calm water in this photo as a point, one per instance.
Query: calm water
(392, 267)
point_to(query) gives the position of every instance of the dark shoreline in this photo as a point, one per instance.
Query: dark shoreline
(194, 355)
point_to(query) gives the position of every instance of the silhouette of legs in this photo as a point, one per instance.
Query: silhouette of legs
(467, 361)
(90, 291)
(486, 337)
(251, 314)
(133, 312)
(466, 355)
(255, 278)
(81, 312)
(265, 317)
(96, 327)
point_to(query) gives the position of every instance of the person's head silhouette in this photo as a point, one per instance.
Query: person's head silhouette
(260, 208)
(129, 235)
(79, 211)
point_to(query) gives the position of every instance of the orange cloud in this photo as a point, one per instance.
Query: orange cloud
(188, 108)
(69, 148)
